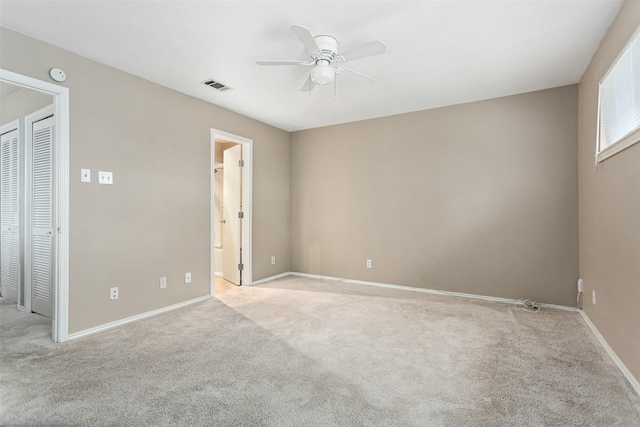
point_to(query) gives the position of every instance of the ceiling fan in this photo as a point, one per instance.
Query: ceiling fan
(325, 59)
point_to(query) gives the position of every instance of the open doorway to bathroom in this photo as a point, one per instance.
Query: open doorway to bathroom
(231, 209)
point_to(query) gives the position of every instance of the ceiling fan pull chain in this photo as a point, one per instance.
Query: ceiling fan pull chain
(335, 87)
(309, 85)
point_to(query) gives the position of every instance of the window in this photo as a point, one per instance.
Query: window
(619, 103)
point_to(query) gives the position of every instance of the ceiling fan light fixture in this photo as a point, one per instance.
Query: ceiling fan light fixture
(323, 73)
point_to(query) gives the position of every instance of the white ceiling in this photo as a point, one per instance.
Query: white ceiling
(438, 52)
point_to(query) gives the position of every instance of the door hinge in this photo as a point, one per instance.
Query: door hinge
(240, 215)
(241, 163)
(240, 267)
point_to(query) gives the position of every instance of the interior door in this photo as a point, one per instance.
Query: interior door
(42, 220)
(9, 216)
(231, 206)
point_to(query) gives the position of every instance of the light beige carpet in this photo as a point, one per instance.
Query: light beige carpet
(299, 351)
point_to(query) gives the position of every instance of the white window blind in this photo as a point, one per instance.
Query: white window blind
(620, 102)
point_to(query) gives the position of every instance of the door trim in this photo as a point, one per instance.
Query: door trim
(60, 319)
(247, 203)
(29, 120)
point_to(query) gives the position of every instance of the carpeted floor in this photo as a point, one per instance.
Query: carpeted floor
(300, 351)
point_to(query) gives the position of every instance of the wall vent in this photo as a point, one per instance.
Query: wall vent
(216, 85)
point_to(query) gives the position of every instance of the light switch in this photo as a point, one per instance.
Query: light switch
(85, 175)
(105, 177)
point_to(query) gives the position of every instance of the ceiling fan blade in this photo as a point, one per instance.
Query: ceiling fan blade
(308, 85)
(367, 49)
(282, 62)
(306, 38)
(355, 76)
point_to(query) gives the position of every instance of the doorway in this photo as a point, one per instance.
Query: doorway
(35, 168)
(26, 188)
(231, 210)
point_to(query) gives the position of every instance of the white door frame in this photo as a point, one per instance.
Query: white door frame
(60, 319)
(247, 202)
(29, 120)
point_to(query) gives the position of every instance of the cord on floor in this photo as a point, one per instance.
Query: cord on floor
(528, 305)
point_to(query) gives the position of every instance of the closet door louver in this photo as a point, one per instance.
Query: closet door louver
(42, 218)
(9, 215)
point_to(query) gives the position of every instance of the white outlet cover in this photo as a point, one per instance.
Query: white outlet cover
(85, 175)
(163, 282)
(187, 278)
(593, 297)
(273, 260)
(114, 293)
(369, 263)
(105, 177)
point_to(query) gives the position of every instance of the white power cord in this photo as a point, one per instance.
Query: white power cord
(528, 305)
(579, 300)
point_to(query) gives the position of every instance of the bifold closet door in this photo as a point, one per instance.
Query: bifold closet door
(9, 216)
(42, 221)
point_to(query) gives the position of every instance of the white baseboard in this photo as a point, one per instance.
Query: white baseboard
(626, 372)
(414, 289)
(268, 279)
(458, 294)
(217, 274)
(124, 321)
(315, 276)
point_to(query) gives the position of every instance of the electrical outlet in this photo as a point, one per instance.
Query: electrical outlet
(593, 297)
(163, 282)
(187, 277)
(273, 260)
(369, 264)
(114, 293)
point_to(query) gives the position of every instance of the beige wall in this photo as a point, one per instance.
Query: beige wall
(154, 220)
(478, 198)
(610, 211)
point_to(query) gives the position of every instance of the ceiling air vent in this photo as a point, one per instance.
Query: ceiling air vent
(216, 85)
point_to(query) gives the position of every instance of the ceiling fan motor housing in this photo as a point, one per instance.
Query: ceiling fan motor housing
(325, 60)
(328, 46)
